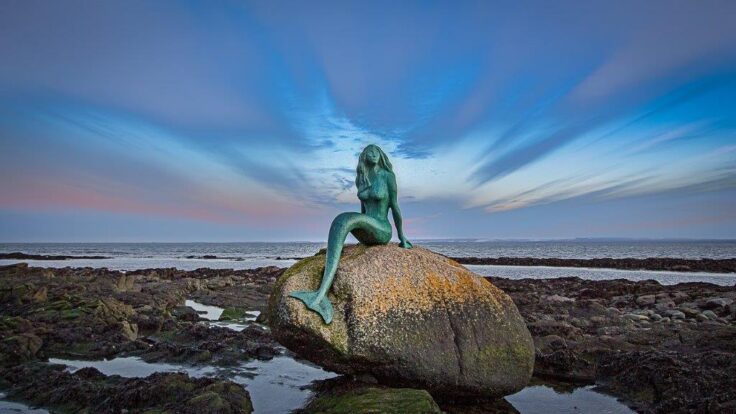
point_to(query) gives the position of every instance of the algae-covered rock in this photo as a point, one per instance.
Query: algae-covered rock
(129, 330)
(374, 400)
(20, 347)
(408, 317)
(233, 314)
(112, 310)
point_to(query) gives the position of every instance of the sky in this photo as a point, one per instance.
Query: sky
(242, 121)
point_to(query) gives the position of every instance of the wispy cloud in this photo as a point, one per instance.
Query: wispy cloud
(250, 112)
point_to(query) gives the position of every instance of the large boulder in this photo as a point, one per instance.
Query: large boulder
(409, 318)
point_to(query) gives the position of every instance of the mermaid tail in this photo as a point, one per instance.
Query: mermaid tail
(367, 230)
(322, 305)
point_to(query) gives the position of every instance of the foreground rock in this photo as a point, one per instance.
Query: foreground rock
(408, 317)
(209, 345)
(89, 391)
(344, 396)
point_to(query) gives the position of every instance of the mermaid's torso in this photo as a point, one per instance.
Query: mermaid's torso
(375, 198)
(376, 192)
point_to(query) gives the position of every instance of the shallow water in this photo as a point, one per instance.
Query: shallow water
(133, 367)
(278, 385)
(275, 386)
(9, 407)
(213, 313)
(548, 272)
(544, 399)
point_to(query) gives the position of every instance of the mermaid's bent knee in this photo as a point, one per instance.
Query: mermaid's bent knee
(342, 219)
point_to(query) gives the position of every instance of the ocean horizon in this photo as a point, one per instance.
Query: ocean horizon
(129, 256)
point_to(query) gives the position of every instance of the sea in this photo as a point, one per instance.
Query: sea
(248, 255)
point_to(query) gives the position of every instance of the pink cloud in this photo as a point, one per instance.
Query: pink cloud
(42, 194)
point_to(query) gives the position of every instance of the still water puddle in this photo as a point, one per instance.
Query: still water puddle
(278, 385)
(587, 273)
(213, 313)
(275, 386)
(14, 407)
(544, 399)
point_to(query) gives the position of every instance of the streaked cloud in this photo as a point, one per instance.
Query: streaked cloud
(247, 114)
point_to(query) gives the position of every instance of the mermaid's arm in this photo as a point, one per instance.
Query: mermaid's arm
(396, 211)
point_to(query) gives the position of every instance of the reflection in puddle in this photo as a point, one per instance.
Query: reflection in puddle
(275, 386)
(278, 384)
(134, 367)
(544, 399)
(14, 407)
(230, 325)
(211, 313)
(252, 315)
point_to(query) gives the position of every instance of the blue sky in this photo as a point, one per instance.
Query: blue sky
(237, 121)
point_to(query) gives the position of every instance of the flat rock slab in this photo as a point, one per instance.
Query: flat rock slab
(407, 317)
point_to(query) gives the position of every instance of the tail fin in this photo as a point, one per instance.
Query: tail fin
(323, 307)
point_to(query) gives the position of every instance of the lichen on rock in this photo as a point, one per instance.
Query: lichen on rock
(370, 399)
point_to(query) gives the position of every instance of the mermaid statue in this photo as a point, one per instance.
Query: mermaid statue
(377, 193)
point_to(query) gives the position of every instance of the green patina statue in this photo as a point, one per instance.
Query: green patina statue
(377, 193)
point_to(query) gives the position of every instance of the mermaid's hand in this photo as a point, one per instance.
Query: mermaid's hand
(364, 190)
(405, 244)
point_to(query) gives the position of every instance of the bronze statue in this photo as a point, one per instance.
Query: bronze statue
(377, 193)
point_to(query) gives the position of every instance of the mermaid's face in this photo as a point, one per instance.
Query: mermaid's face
(372, 156)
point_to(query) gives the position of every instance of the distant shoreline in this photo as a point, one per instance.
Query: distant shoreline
(651, 263)
(25, 256)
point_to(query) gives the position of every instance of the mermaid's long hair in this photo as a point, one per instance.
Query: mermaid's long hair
(361, 180)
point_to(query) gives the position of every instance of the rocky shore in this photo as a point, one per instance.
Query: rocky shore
(89, 391)
(658, 348)
(650, 263)
(88, 313)
(26, 256)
